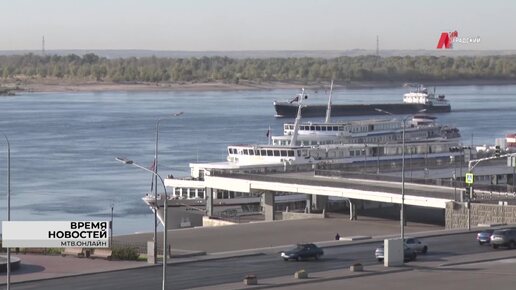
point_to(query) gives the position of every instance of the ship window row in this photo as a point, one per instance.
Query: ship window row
(227, 194)
(342, 128)
(383, 139)
(315, 127)
(264, 152)
(357, 152)
(320, 128)
(188, 193)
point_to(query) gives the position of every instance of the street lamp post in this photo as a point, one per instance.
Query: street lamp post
(8, 278)
(165, 223)
(402, 210)
(155, 247)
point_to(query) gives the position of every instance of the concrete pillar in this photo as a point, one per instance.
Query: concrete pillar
(209, 201)
(319, 202)
(268, 205)
(151, 259)
(308, 208)
(353, 210)
(393, 253)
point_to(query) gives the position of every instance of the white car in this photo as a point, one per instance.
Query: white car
(416, 245)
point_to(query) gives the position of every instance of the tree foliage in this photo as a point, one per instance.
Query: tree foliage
(224, 69)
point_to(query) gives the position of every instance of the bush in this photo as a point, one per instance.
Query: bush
(125, 253)
(53, 251)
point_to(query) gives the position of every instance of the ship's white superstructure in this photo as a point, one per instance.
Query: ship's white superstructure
(421, 96)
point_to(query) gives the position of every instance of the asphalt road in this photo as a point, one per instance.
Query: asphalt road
(184, 276)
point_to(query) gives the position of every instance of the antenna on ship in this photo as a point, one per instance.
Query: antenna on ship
(293, 140)
(328, 109)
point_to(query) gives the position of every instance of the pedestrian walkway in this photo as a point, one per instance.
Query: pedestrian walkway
(36, 267)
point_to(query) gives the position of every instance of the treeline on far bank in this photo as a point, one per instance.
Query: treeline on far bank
(228, 70)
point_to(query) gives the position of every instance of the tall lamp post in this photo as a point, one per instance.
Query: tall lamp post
(165, 223)
(155, 247)
(8, 278)
(402, 210)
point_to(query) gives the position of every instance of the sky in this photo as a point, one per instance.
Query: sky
(221, 25)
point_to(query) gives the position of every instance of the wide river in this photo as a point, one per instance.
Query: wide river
(63, 145)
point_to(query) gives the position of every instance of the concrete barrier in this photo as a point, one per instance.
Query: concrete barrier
(357, 267)
(301, 274)
(78, 252)
(301, 215)
(251, 280)
(355, 238)
(208, 222)
(102, 253)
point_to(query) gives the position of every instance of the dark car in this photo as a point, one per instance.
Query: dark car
(484, 237)
(303, 251)
(504, 238)
(409, 254)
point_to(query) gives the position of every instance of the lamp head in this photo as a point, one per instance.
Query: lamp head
(124, 160)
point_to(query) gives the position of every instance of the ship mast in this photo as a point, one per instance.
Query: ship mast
(293, 140)
(328, 109)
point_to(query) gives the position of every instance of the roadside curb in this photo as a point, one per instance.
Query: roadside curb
(375, 239)
(476, 261)
(319, 280)
(208, 258)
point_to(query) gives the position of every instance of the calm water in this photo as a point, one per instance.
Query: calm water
(63, 145)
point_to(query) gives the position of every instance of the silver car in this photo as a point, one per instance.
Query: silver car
(416, 245)
(504, 238)
(408, 254)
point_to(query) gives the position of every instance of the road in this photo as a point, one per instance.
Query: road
(184, 276)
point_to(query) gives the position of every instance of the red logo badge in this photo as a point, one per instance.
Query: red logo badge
(446, 39)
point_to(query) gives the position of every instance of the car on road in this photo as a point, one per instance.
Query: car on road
(416, 245)
(484, 237)
(409, 254)
(504, 238)
(303, 251)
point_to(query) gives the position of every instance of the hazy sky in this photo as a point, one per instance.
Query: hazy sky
(253, 24)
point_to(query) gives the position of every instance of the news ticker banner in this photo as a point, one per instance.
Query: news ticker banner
(55, 234)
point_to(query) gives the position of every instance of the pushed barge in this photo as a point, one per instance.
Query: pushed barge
(413, 102)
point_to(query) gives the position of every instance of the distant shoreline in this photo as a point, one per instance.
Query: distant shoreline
(94, 86)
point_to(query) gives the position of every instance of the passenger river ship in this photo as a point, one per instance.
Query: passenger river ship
(304, 147)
